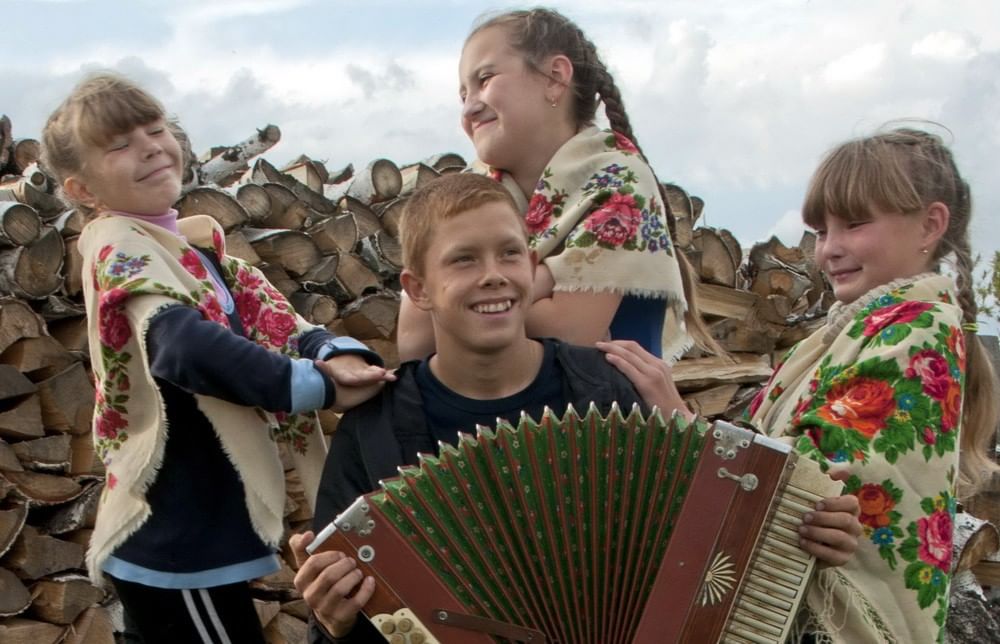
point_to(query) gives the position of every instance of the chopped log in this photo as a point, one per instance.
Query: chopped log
(389, 215)
(416, 175)
(238, 246)
(365, 218)
(737, 336)
(445, 161)
(13, 383)
(72, 334)
(975, 539)
(343, 277)
(325, 234)
(78, 514)
(11, 524)
(697, 207)
(285, 629)
(37, 178)
(24, 152)
(14, 597)
(93, 626)
(340, 176)
(22, 418)
(383, 254)
(57, 307)
(680, 207)
(73, 267)
(701, 373)
(5, 140)
(236, 157)
(712, 401)
(19, 224)
(38, 358)
(34, 271)
(61, 600)
(717, 264)
(315, 307)
(22, 189)
(35, 555)
(70, 223)
(373, 316)
(18, 630)
(217, 204)
(266, 611)
(18, 321)
(279, 279)
(263, 172)
(8, 459)
(46, 454)
(307, 172)
(774, 254)
(256, 200)
(294, 251)
(278, 585)
(83, 456)
(296, 216)
(780, 281)
(43, 489)
(343, 232)
(725, 302)
(775, 309)
(802, 329)
(379, 181)
(281, 198)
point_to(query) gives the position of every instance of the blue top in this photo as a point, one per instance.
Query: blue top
(641, 319)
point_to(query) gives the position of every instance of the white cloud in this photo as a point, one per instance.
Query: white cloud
(945, 46)
(856, 66)
(788, 228)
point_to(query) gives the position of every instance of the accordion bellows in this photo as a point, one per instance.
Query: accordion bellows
(588, 529)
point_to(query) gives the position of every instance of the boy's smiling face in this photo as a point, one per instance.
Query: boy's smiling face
(477, 279)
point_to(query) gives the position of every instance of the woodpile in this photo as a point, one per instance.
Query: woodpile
(327, 239)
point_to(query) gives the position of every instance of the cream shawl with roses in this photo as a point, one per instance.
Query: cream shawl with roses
(878, 391)
(597, 221)
(132, 270)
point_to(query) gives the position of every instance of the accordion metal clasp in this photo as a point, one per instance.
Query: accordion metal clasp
(730, 438)
(356, 518)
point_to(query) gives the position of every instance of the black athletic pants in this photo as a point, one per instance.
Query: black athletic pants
(218, 615)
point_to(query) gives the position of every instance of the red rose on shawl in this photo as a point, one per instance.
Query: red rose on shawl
(192, 264)
(539, 213)
(935, 540)
(625, 144)
(757, 401)
(112, 481)
(861, 404)
(276, 326)
(951, 407)
(929, 437)
(279, 301)
(112, 325)
(956, 345)
(248, 305)
(105, 251)
(211, 310)
(108, 424)
(247, 279)
(932, 369)
(875, 504)
(616, 221)
(896, 314)
(217, 243)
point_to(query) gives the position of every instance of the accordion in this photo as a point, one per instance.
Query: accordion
(588, 529)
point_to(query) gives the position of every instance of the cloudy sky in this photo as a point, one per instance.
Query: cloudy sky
(735, 100)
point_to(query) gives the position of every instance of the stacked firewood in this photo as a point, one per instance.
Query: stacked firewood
(329, 241)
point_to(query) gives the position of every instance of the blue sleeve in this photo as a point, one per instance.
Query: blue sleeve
(322, 345)
(202, 357)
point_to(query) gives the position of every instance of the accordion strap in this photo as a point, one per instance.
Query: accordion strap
(489, 626)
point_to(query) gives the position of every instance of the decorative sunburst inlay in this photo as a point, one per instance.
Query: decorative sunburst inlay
(719, 580)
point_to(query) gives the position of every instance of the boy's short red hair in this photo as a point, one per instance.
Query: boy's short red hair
(439, 200)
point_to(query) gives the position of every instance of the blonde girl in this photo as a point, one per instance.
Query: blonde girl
(895, 384)
(202, 369)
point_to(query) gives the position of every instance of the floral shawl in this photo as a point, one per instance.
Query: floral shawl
(134, 270)
(597, 221)
(878, 390)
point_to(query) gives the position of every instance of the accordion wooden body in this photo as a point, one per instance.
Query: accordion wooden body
(588, 529)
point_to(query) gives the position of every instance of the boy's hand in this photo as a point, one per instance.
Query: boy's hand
(326, 579)
(831, 532)
(355, 379)
(650, 375)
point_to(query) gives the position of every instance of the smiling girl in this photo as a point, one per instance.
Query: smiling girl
(530, 84)
(201, 367)
(894, 385)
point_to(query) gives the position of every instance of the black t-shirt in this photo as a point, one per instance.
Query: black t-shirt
(447, 412)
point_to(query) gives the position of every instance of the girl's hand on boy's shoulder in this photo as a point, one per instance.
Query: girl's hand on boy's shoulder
(356, 380)
(326, 581)
(650, 375)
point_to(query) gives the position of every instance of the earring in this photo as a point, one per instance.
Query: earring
(924, 251)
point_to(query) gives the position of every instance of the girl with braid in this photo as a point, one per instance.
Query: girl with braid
(894, 386)
(530, 85)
